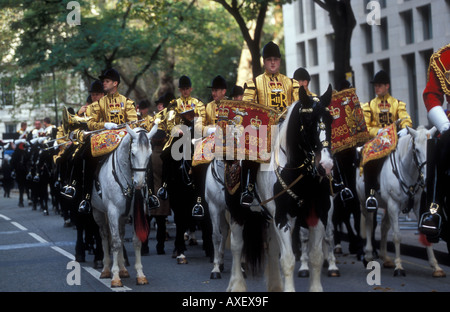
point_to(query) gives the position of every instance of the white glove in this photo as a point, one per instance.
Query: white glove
(439, 119)
(110, 125)
(402, 132)
(211, 131)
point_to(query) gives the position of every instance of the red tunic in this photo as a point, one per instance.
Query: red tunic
(438, 84)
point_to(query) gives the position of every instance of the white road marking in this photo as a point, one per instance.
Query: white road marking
(4, 217)
(38, 238)
(21, 227)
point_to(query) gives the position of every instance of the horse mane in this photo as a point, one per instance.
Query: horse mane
(286, 128)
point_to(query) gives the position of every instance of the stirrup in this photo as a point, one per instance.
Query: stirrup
(162, 192)
(70, 191)
(247, 196)
(371, 202)
(346, 194)
(152, 201)
(430, 223)
(85, 205)
(198, 211)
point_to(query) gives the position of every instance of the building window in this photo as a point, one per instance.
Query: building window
(301, 17)
(367, 31)
(301, 52)
(408, 25)
(314, 54)
(412, 106)
(315, 84)
(330, 47)
(312, 14)
(384, 34)
(6, 91)
(426, 55)
(369, 73)
(427, 26)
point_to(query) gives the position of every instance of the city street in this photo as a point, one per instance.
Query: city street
(36, 253)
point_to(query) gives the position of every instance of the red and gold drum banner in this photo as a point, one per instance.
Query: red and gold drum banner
(243, 132)
(106, 141)
(349, 127)
(380, 146)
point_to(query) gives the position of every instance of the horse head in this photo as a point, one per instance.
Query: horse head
(140, 152)
(419, 140)
(309, 131)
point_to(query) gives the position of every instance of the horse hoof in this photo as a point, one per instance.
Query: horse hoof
(439, 273)
(303, 273)
(116, 283)
(399, 272)
(105, 274)
(182, 260)
(388, 264)
(215, 275)
(334, 273)
(221, 267)
(142, 280)
(123, 273)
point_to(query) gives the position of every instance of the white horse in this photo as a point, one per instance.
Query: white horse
(215, 196)
(299, 153)
(122, 174)
(402, 179)
(328, 248)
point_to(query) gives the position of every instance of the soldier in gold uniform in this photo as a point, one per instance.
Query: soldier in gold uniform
(109, 112)
(381, 112)
(271, 89)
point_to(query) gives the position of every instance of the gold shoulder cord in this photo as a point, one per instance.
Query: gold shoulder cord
(435, 61)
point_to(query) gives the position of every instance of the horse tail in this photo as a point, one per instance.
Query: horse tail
(141, 226)
(254, 235)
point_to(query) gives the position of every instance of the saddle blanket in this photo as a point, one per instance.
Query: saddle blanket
(380, 146)
(106, 141)
(348, 128)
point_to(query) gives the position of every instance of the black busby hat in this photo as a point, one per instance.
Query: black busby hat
(381, 77)
(218, 83)
(110, 74)
(144, 104)
(160, 100)
(89, 99)
(168, 97)
(96, 87)
(236, 91)
(184, 82)
(302, 74)
(271, 50)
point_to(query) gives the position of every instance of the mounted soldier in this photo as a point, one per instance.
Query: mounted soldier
(271, 89)
(380, 113)
(437, 91)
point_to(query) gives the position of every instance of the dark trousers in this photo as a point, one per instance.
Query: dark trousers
(371, 171)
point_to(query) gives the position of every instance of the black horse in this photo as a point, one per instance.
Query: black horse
(183, 189)
(19, 163)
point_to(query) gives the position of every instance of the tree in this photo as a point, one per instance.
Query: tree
(343, 21)
(245, 13)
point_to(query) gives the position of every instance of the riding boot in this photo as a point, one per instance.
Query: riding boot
(88, 172)
(249, 170)
(430, 221)
(199, 171)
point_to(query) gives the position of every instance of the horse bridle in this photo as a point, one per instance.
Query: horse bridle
(410, 190)
(127, 191)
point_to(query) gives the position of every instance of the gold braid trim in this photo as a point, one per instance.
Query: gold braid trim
(439, 69)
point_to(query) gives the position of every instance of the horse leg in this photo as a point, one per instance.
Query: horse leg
(140, 277)
(100, 219)
(237, 282)
(368, 218)
(219, 236)
(385, 226)
(281, 251)
(123, 257)
(316, 236)
(303, 271)
(328, 250)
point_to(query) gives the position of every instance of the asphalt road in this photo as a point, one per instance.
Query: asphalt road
(36, 254)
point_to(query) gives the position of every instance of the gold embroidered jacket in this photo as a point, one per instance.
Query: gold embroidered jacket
(273, 90)
(383, 111)
(111, 108)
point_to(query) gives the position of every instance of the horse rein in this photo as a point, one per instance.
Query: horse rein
(411, 190)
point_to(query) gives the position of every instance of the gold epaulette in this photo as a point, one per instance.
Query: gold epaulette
(440, 64)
